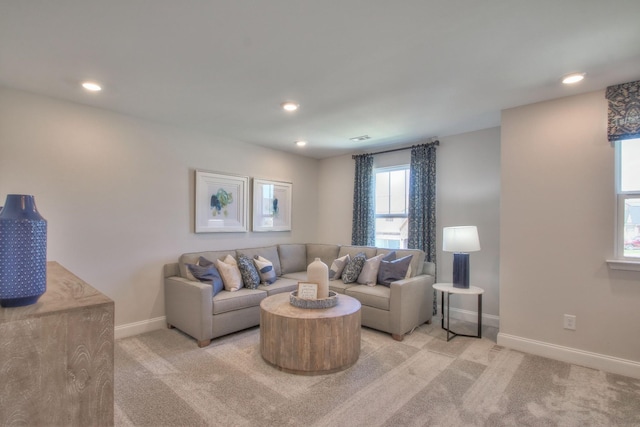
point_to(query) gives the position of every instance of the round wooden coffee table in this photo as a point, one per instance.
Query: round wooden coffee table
(309, 341)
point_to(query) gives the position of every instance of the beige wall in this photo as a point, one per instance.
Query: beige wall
(335, 200)
(557, 230)
(468, 186)
(468, 182)
(118, 192)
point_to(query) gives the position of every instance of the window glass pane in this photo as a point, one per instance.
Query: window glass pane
(392, 194)
(392, 233)
(382, 193)
(398, 202)
(630, 165)
(632, 227)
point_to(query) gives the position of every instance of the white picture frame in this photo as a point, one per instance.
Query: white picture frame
(307, 290)
(271, 205)
(221, 203)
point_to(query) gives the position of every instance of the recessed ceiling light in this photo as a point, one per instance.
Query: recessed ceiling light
(301, 143)
(360, 138)
(573, 78)
(290, 106)
(92, 86)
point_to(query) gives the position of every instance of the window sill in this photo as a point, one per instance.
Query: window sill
(623, 264)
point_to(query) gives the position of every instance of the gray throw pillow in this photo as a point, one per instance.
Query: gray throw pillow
(250, 276)
(203, 262)
(390, 256)
(207, 274)
(369, 274)
(337, 267)
(353, 268)
(390, 271)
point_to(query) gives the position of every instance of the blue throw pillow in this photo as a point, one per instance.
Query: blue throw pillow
(207, 274)
(390, 271)
(265, 270)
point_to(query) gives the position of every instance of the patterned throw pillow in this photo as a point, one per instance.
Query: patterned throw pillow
(207, 274)
(353, 269)
(337, 267)
(265, 270)
(390, 271)
(230, 273)
(250, 276)
(369, 274)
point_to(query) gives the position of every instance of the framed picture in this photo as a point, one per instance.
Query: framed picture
(307, 290)
(271, 205)
(222, 202)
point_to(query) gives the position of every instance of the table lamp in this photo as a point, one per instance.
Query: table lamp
(460, 240)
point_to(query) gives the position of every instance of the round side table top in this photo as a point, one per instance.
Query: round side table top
(449, 288)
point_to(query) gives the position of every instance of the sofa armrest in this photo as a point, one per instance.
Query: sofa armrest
(411, 302)
(189, 306)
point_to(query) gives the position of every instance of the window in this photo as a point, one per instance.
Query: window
(392, 203)
(628, 190)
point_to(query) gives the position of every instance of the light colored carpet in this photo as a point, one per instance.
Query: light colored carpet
(163, 379)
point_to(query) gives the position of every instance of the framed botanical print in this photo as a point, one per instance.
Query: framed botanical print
(222, 202)
(271, 205)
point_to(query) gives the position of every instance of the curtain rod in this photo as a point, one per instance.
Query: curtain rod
(433, 141)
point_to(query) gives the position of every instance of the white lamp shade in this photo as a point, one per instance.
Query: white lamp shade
(460, 239)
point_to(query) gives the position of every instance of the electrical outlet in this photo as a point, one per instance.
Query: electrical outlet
(570, 322)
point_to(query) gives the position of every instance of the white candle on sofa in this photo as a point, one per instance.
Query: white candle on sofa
(318, 272)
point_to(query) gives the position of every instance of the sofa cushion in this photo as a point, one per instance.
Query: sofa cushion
(283, 284)
(265, 270)
(390, 271)
(326, 253)
(369, 273)
(337, 267)
(353, 268)
(230, 273)
(417, 262)
(250, 276)
(193, 257)
(267, 252)
(339, 286)
(298, 276)
(207, 273)
(293, 257)
(371, 296)
(227, 301)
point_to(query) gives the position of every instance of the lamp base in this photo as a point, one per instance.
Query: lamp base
(461, 270)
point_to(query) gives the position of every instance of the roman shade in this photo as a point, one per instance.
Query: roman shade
(624, 111)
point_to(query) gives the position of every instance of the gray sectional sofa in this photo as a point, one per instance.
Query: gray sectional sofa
(396, 309)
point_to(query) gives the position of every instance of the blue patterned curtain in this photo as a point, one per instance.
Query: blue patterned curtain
(363, 230)
(422, 202)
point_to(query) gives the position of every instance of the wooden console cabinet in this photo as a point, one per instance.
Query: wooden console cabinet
(56, 356)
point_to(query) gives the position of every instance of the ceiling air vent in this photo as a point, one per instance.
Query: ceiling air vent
(360, 138)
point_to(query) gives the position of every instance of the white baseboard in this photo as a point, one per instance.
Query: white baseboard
(601, 362)
(135, 328)
(471, 316)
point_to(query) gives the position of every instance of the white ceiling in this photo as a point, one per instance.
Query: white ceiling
(399, 71)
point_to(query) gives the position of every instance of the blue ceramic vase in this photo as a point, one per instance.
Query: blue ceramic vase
(23, 252)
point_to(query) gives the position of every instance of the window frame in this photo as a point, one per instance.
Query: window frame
(621, 197)
(402, 167)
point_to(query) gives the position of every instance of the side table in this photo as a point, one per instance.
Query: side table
(448, 288)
